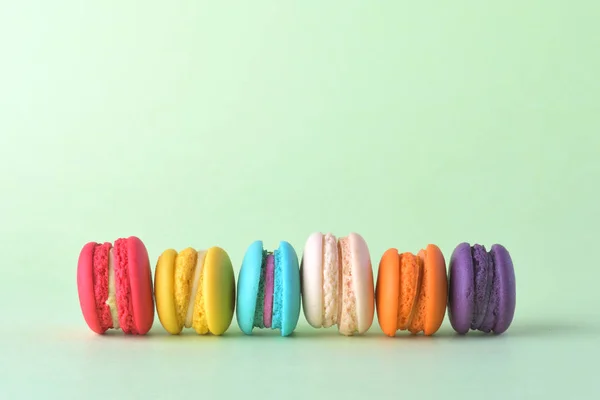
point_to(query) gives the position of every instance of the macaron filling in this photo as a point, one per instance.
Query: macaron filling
(123, 287)
(111, 300)
(331, 281)
(483, 266)
(411, 279)
(185, 263)
(267, 313)
(196, 316)
(188, 293)
(339, 299)
(419, 310)
(347, 317)
(269, 288)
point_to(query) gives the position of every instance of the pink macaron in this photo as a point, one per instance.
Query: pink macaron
(115, 286)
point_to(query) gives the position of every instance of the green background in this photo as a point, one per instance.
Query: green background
(197, 124)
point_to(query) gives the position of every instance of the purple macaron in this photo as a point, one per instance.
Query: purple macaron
(482, 290)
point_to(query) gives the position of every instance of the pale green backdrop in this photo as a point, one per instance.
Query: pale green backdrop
(191, 123)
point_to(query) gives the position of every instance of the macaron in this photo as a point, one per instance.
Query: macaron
(482, 290)
(337, 283)
(114, 283)
(195, 289)
(411, 291)
(268, 295)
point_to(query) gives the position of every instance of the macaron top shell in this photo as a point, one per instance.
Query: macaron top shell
(506, 287)
(248, 285)
(388, 291)
(219, 290)
(85, 288)
(461, 276)
(164, 284)
(290, 287)
(311, 271)
(436, 289)
(140, 280)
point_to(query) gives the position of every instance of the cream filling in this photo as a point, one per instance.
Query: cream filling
(331, 281)
(111, 301)
(197, 272)
(347, 313)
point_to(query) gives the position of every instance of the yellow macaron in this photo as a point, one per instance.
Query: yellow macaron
(195, 289)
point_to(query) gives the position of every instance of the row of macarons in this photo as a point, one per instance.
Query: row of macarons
(332, 283)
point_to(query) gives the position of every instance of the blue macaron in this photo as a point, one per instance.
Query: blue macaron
(268, 289)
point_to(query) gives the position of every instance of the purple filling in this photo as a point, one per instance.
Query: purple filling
(269, 284)
(483, 266)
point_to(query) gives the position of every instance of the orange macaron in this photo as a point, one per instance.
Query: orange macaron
(411, 291)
